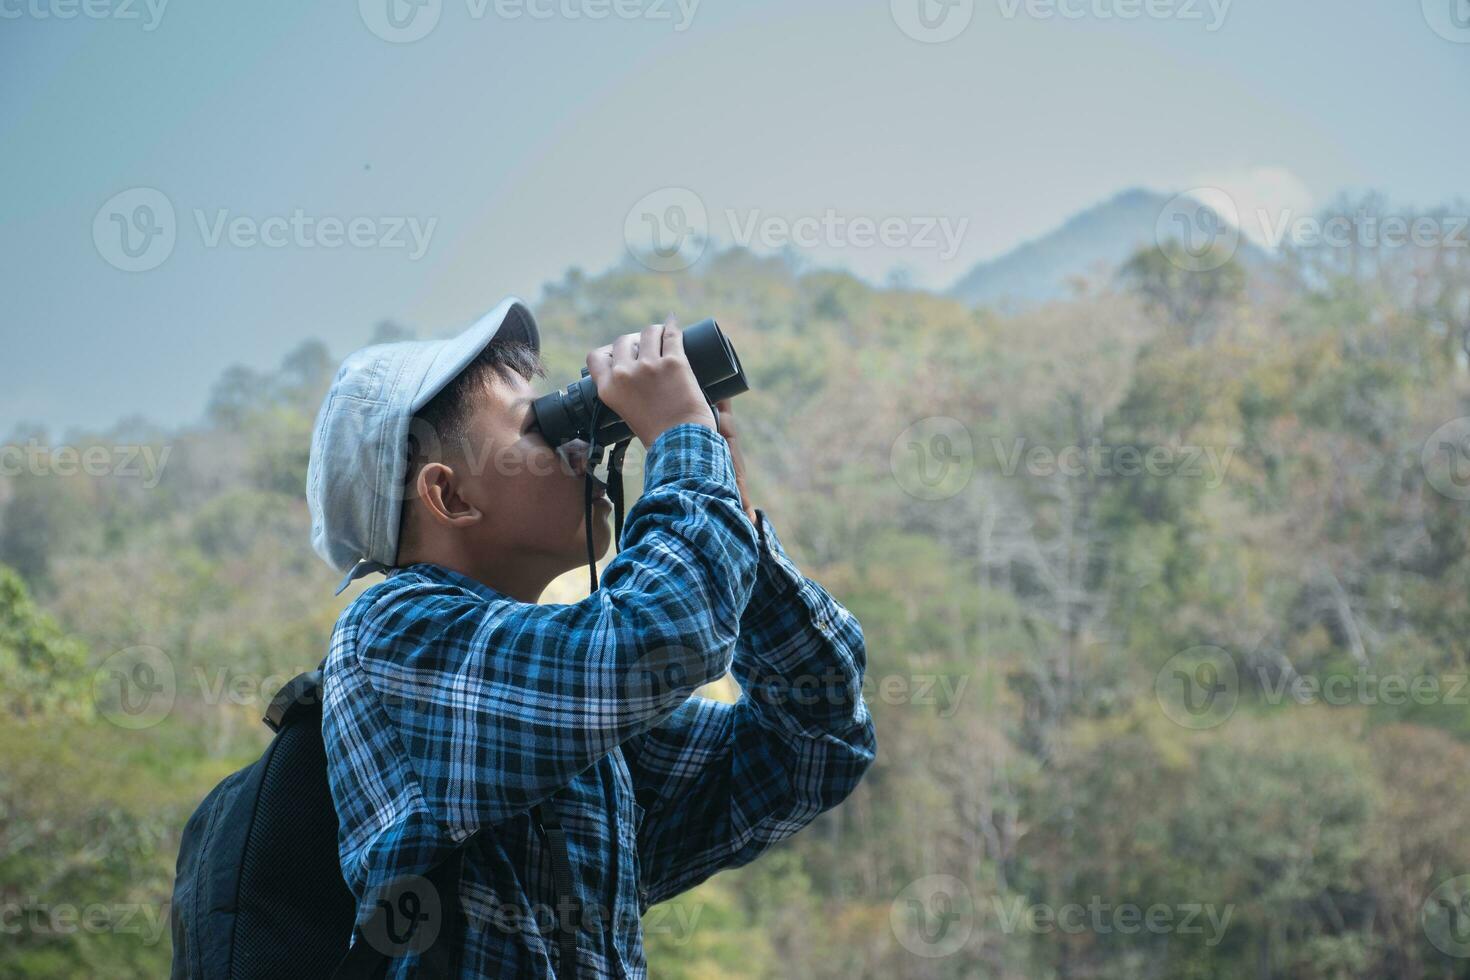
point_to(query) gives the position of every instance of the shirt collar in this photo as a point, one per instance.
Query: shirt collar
(448, 576)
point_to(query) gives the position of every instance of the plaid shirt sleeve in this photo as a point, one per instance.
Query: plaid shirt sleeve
(499, 705)
(721, 783)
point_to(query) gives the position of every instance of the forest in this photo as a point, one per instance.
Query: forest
(1165, 588)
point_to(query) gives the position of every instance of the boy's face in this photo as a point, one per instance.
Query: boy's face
(530, 495)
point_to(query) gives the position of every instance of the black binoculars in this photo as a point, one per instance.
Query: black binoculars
(569, 414)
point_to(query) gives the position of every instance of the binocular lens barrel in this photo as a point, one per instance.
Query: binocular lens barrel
(566, 414)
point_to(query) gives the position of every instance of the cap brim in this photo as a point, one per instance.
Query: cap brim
(511, 320)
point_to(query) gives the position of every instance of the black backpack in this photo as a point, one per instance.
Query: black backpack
(259, 891)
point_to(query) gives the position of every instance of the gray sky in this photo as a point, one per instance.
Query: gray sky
(324, 172)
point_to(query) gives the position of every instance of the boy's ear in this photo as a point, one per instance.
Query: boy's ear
(438, 491)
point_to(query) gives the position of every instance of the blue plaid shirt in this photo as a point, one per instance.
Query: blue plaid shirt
(451, 708)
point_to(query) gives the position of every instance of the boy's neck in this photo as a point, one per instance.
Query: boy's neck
(520, 578)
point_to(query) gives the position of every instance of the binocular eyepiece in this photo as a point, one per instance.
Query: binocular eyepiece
(565, 415)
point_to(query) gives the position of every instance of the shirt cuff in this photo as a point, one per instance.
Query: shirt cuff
(687, 450)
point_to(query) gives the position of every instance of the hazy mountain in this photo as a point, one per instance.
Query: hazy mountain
(1092, 243)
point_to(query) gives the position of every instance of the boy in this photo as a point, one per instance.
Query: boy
(459, 713)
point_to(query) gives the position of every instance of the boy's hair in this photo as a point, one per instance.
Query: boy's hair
(447, 415)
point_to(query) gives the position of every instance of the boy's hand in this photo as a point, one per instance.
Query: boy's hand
(647, 380)
(727, 429)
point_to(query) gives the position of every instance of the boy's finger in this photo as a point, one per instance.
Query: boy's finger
(622, 348)
(673, 344)
(598, 364)
(650, 342)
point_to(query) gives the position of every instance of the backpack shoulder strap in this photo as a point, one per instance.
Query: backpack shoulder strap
(440, 957)
(568, 906)
(301, 693)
